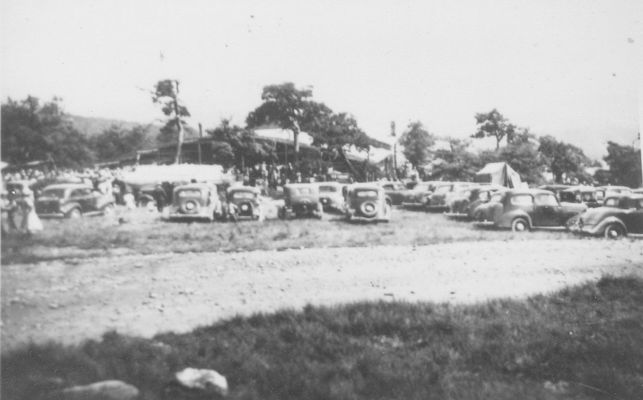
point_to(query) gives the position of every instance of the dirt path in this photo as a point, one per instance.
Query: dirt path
(144, 295)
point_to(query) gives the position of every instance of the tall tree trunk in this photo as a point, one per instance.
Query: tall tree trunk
(295, 135)
(177, 160)
(179, 125)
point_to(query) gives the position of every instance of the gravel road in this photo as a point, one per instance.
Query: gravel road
(69, 301)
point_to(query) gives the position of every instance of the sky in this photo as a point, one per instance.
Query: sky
(570, 69)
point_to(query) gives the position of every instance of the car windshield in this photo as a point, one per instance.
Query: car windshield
(496, 198)
(189, 193)
(304, 191)
(484, 196)
(546, 200)
(328, 189)
(366, 193)
(588, 196)
(57, 193)
(522, 200)
(243, 195)
(611, 202)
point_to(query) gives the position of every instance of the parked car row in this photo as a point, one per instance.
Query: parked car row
(608, 211)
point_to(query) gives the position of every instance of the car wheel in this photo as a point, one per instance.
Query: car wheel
(108, 210)
(74, 214)
(368, 209)
(614, 231)
(520, 225)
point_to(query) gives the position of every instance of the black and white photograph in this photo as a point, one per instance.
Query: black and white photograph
(332, 200)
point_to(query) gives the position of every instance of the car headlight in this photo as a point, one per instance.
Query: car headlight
(244, 207)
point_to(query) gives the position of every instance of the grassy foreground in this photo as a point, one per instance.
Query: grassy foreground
(581, 343)
(145, 233)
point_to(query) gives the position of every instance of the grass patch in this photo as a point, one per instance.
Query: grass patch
(145, 233)
(584, 342)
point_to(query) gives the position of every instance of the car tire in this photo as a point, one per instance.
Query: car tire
(108, 210)
(368, 209)
(74, 213)
(614, 231)
(519, 225)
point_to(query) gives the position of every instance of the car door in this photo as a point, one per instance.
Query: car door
(634, 219)
(83, 196)
(547, 210)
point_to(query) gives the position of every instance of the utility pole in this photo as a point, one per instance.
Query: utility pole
(179, 126)
(394, 150)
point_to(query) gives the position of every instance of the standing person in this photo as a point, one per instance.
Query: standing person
(30, 222)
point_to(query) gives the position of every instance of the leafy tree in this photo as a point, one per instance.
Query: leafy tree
(114, 142)
(494, 124)
(166, 94)
(417, 142)
(455, 164)
(624, 163)
(33, 132)
(563, 159)
(289, 108)
(335, 133)
(237, 146)
(523, 156)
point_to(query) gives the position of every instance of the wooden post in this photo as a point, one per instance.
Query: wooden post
(179, 125)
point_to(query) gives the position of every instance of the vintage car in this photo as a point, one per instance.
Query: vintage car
(330, 196)
(395, 192)
(580, 194)
(463, 205)
(613, 222)
(366, 202)
(195, 201)
(524, 209)
(555, 188)
(443, 193)
(602, 192)
(243, 202)
(301, 200)
(419, 195)
(72, 200)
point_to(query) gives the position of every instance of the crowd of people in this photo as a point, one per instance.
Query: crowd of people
(18, 211)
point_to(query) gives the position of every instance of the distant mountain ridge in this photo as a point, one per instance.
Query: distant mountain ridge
(92, 126)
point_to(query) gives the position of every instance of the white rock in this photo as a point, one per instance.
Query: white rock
(105, 390)
(204, 379)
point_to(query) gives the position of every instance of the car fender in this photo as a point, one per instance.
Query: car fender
(506, 219)
(67, 207)
(600, 227)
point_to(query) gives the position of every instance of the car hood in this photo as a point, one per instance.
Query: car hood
(593, 215)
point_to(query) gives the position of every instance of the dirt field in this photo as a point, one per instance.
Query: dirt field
(75, 299)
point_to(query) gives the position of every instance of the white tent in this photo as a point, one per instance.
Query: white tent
(147, 175)
(499, 173)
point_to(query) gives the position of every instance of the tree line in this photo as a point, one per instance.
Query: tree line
(32, 130)
(530, 155)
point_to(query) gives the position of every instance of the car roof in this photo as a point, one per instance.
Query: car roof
(333, 183)
(580, 188)
(243, 189)
(365, 185)
(529, 191)
(68, 186)
(197, 185)
(297, 185)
